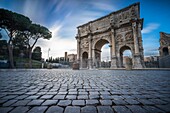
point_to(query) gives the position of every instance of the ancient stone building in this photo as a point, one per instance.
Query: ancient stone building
(71, 59)
(164, 50)
(121, 29)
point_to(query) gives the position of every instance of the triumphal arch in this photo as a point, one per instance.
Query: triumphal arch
(121, 29)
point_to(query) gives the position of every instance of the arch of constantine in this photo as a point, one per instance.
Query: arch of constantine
(164, 50)
(121, 29)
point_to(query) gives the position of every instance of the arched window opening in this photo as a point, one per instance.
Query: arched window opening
(165, 51)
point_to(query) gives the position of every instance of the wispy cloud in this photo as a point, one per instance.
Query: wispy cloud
(63, 18)
(150, 27)
(151, 45)
(31, 9)
(152, 52)
(57, 46)
(105, 6)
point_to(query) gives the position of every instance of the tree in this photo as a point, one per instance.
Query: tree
(20, 41)
(12, 23)
(0, 35)
(34, 33)
(3, 49)
(36, 55)
(16, 24)
(20, 45)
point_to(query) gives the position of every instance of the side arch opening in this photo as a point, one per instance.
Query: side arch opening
(85, 60)
(125, 52)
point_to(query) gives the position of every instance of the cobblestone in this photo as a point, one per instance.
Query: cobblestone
(47, 96)
(121, 109)
(83, 97)
(71, 97)
(106, 102)
(119, 102)
(59, 97)
(55, 109)
(131, 101)
(136, 109)
(5, 109)
(152, 109)
(35, 102)
(39, 109)
(105, 109)
(8, 103)
(88, 109)
(84, 91)
(92, 102)
(72, 109)
(21, 103)
(78, 103)
(94, 96)
(50, 102)
(64, 102)
(20, 110)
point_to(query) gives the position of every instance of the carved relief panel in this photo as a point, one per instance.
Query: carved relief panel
(165, 39)
(123, 16)
(129, 36)
(119, 38)
(100, 25)
(84, 43)
(124, 35)
(84, 30)
(164, 42)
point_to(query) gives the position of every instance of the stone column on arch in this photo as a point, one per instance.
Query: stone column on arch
(93, 58)
(79, 58)
(78, 50)
(113, 50)
(90, 51)
(136, 41)
(140, 42)
(137, 55)
(119, 60)
(110, 47)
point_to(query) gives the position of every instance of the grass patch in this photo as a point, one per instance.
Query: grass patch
(24, 63)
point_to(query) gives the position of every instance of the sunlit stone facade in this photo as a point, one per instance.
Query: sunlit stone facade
(121, 29)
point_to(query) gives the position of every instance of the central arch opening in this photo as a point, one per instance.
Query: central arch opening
(102, 54)
(125, 52)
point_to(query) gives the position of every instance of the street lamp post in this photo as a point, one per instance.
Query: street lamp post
(48, 53)
(48, 63)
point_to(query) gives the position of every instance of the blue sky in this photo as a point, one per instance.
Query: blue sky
(63, 16)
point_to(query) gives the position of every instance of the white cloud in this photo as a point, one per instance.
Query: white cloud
(150, 27)
(151, 45)
(73, 13)
(57, 44)
(63, 34)
(31, 9)
(105, 6)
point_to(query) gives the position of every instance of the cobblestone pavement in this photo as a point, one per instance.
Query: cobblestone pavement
(84, 91)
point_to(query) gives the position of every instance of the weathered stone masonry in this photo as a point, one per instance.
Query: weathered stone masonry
(164, 50)
(121, 29)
